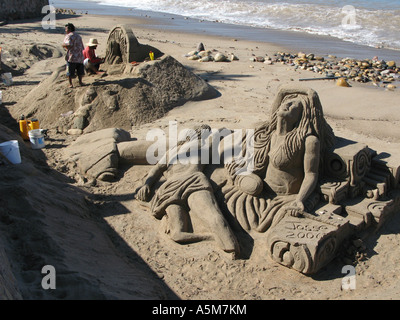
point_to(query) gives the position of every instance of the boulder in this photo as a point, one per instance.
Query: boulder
(220, 57)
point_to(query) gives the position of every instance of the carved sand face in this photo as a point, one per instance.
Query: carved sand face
(291, 109)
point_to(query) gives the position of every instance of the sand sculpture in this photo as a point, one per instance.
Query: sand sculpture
(187, 189)
(296, 183)
(134, 89)
(131, 93)
(305, 189)
(123, 47)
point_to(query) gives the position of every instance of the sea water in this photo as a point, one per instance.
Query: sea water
(364, 22)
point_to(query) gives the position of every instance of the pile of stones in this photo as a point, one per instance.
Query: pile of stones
(368, 70)
(211, 55)
(65, 11)
(203, 55)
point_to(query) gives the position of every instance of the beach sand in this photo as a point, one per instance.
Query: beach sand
(110, 247)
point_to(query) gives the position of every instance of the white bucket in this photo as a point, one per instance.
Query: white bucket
(37, 139)
(7, 78)
(10, 149)
(86, 63)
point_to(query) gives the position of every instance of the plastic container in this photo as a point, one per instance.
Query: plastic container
(10, 149)
(1, 97)
(23, 128)
(37, 139)
(33, 124)
(7, 78)
(151, 54)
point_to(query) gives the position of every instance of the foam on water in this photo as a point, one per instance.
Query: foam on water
(376, 23)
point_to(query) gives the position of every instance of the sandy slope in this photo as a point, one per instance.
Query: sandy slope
(107, 245)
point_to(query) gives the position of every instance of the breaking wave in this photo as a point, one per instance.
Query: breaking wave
(372, 23)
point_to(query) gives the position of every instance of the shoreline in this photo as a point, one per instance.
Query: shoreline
(291, 41)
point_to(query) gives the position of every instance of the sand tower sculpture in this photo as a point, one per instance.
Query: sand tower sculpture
(123, 47)
(307, 190)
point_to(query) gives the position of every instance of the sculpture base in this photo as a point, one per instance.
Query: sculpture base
(307, 243)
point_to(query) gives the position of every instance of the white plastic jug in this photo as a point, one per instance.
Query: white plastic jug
(10, 149)
(37, 138)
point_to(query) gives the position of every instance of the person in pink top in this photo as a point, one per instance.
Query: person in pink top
(74, 45)
(92, 62)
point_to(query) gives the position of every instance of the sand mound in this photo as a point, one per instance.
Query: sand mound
(46, 221)
(18, 59)
(125, 96)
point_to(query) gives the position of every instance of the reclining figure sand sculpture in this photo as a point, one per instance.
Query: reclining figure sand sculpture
(301, 186)
(185, 190)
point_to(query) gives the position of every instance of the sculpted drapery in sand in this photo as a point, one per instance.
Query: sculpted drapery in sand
(286, 162)
(186, 189)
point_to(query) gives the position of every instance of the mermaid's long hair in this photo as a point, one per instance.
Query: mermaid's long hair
(312, 122)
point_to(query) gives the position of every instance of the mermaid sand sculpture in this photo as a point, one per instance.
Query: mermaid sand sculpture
(305, 189)
(287, 162)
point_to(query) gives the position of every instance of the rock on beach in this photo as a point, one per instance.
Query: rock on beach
(364, 71)
(208, 56)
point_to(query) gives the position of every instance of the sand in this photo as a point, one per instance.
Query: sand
(106, 245)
